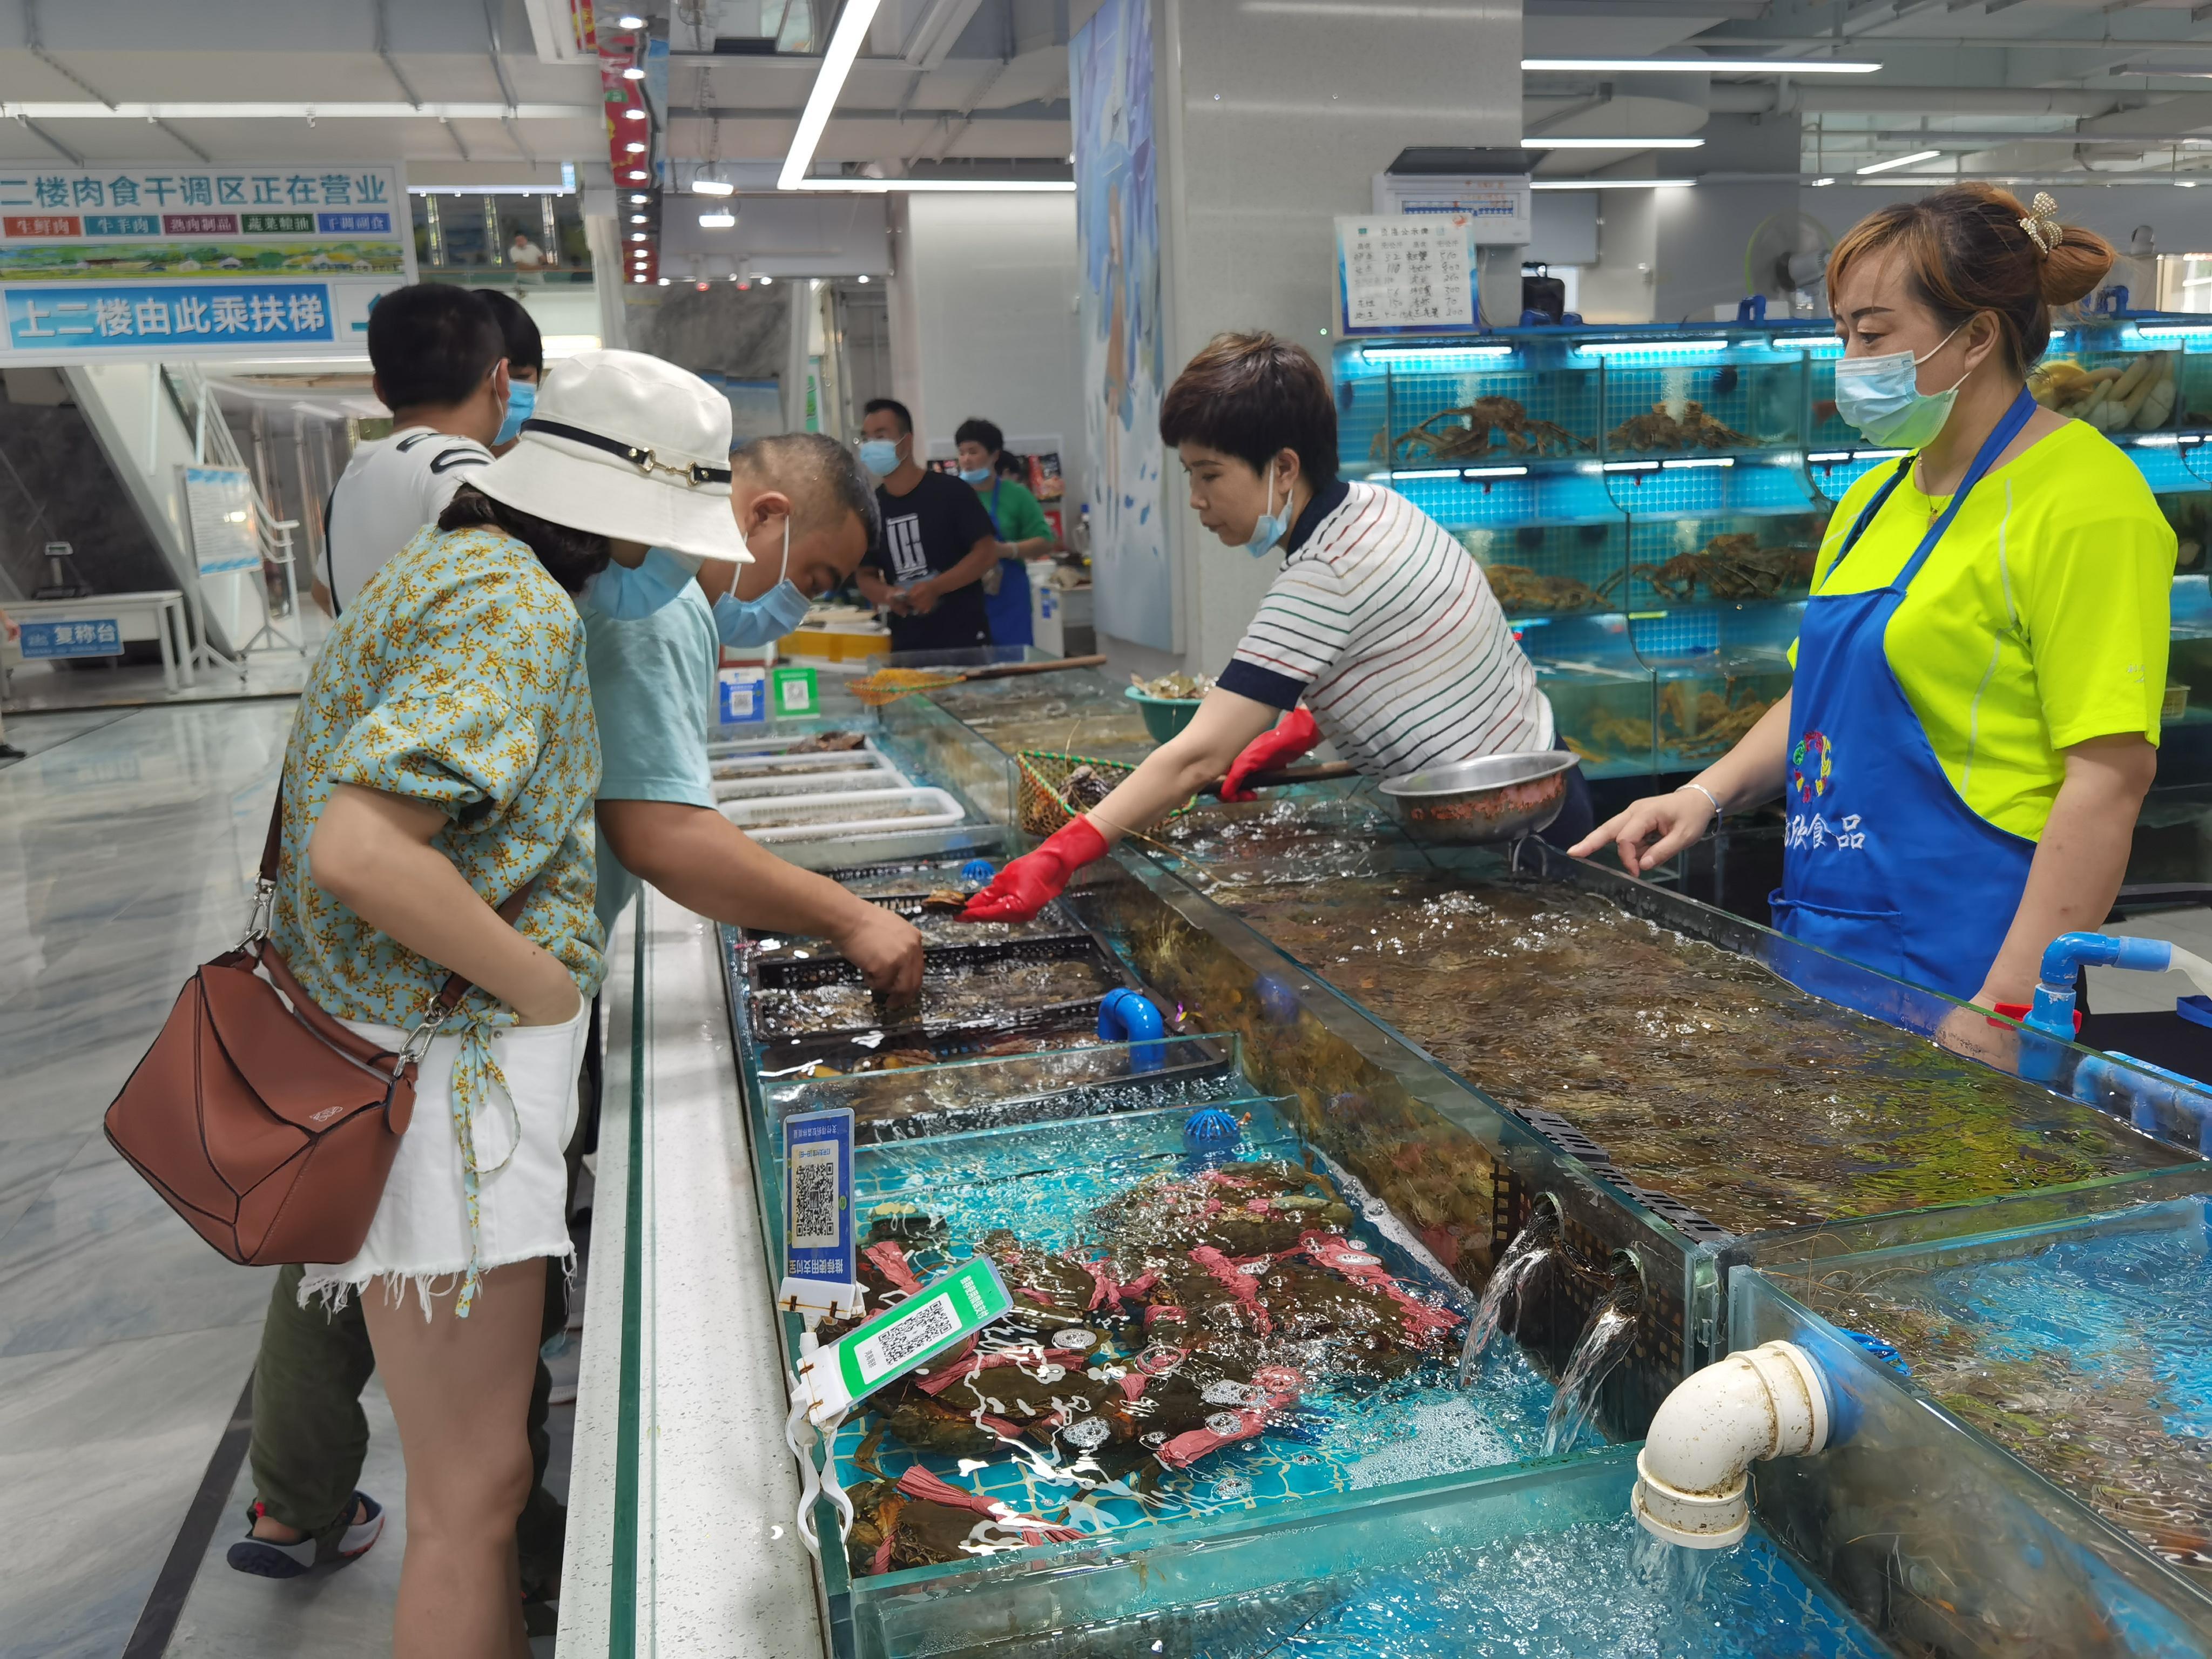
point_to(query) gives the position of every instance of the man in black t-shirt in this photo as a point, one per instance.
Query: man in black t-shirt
(937, 542)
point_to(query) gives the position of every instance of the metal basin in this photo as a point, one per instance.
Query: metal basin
(1497, 797)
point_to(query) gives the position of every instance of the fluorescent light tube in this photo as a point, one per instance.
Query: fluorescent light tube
(713, 187)
(880, 186)
(1913, 160)
(1426, 472)
(836, 63)
(1391, 354)
(90, 111)
(1612, 143)
(721, 219)
(1698, 65)
(1496, 472)
(1699, 460)
(1612, 184)
(1625, 348)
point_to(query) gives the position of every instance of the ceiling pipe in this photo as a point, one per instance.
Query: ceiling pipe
(1729, 100)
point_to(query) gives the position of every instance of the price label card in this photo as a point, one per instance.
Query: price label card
(1409, 273)
(893, 1343)
(818, 1243)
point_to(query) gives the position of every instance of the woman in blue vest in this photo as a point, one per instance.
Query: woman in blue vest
(1980, 669)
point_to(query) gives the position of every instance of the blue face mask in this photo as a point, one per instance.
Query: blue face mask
(1881, 397)
(521, 399)
(880, 456)
(978, 475)
(1273, 525)
(628, 594)
(744, 623)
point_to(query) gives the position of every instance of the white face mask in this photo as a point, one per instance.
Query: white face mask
(1881, 397)
(1271, 526)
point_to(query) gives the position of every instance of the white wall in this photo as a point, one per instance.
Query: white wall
(1619, 287)
(983, 319)
(1270, 126)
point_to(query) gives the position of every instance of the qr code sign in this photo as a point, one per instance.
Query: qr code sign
(931, 1322)
(814, 1205)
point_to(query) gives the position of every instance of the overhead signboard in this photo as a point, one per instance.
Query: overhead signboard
(101, 263)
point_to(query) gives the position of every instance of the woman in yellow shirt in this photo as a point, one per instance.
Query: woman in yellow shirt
(1973, 723)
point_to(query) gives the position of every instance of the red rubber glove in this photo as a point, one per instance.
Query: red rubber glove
(1293, 737)
(1032, 881)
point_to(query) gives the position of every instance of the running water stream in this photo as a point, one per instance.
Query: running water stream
(1532, 1248)
(1604, 1343)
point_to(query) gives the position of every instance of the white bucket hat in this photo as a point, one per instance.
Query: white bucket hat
(624, 445)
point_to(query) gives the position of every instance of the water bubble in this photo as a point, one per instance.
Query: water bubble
(1225, 1423)
(1086, 1432)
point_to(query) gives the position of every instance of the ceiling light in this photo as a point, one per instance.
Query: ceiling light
(637, 218)
(1382, 353)
(633, 73)
(630, 20)
(664, 282)
(1817, 183)
(768, 281)
(639, 277)
(634, 148)
(864, 276)
(878, 186)
(637, 175)
(90, 111)
(1612, 143)
(1917, 156)
(713, 187)
(641, 198)
(2184, 184)
(836, 63)
(1698, 65)
(633, 115)
(720, 219)
(637, 236)
(1612, 184)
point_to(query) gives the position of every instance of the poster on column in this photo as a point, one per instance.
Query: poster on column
(1118, 306)
(117, 263)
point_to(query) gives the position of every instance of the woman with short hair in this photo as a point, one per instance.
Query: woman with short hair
(1380, 633)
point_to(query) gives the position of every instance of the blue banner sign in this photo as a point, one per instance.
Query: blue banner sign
(134, 318)
(817, 1158)
(94, 636)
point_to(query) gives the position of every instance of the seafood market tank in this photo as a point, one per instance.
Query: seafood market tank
(1648, 503)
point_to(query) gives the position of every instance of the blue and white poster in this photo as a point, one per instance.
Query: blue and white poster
(156, 261)
(1117, 228)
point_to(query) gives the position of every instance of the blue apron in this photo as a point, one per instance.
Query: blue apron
(1883, 862)
(1008, 609)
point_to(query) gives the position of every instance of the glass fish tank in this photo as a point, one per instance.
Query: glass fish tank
(1601, 691)
(2044, 1362)
(1538, 1562)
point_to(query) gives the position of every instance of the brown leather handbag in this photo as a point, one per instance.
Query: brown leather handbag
(266, 1123)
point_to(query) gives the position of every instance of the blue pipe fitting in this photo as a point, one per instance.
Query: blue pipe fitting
(1126, 1016)
(2154, 1099)
(2052, 1011)
(979, 871)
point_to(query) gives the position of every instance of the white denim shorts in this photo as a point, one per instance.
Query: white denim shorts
(420, 1233)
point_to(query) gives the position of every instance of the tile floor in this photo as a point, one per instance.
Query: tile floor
(127, 849)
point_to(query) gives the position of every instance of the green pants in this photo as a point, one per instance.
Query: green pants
(310, 1435)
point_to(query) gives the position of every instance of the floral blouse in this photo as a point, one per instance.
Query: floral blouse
(455, 677)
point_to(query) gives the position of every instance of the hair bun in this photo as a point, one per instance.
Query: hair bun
(2072, 269)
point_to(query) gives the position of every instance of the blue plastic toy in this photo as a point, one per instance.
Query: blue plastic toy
(1885, 1351)
(1211, 1132)
(979, 871)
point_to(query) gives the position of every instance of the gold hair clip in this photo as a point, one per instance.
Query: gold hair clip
(2042, 224)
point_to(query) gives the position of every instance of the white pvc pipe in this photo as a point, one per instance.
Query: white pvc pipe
(1767, 1401)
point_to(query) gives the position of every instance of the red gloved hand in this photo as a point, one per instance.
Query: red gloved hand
(1030, 883)
(1293, 737)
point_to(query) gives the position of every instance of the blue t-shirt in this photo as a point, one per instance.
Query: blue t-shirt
(653, 687)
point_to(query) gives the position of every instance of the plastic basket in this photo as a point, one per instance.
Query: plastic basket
(1040, 807)
(1163, 716)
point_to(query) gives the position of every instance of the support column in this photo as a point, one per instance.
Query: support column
(1262, 129)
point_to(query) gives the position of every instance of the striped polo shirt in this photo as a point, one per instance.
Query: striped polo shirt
(1383, 625)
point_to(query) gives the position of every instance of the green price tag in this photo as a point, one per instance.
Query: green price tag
(894, 1342)
(795, 691)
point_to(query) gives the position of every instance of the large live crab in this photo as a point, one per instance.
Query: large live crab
(1473, 431)
(1731, 566)
(1659, 429)
(1519, 589)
